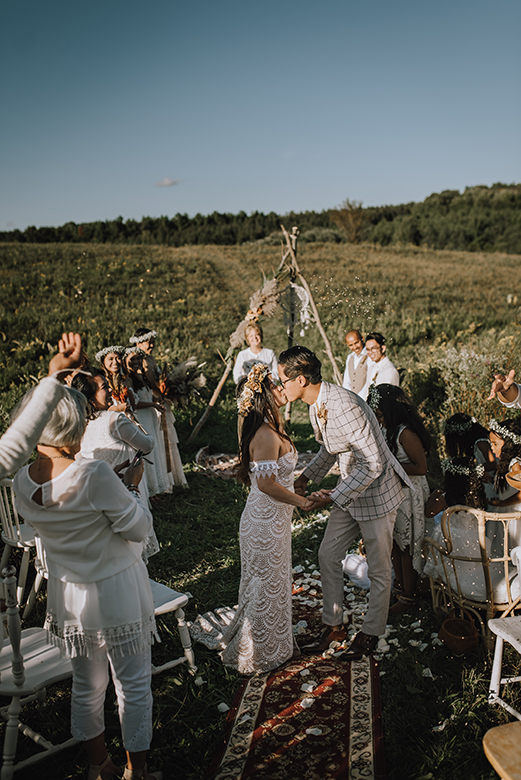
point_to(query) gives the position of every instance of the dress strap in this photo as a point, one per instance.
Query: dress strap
(264, 468)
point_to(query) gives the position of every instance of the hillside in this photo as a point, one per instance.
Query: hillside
(481, 219)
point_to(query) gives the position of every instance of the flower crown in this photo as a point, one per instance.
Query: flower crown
(374, 397)
(115, 349)
(503, 432)
(252, 385)
(131, 351)
(145, 337)
(448, 466)
(458, 427)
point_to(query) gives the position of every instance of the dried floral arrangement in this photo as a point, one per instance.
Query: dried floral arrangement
(264, 301)
(183, 383)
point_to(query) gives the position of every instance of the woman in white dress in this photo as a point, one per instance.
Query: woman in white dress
(255, 353)
(409, 441)
(148, 412)
(260, 636)
(112, 437)
(144, 340)
(100, 609)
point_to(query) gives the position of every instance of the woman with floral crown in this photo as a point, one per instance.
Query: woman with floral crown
(110, 359)
(260, 636)
(144, 341)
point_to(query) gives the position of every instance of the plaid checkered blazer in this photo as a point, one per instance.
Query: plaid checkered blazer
(371, 479)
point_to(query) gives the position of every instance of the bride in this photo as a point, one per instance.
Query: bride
(260, 636)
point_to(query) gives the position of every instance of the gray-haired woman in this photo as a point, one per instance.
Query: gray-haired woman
(99, 608)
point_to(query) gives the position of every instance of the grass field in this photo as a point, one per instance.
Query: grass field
(449, 325)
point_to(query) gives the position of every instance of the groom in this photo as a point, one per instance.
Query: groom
(364, 500)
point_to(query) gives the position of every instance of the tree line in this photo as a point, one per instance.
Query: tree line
(485, 219)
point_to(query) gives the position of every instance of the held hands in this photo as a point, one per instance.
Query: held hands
(69, 354)
(501, 384)
(318, 500)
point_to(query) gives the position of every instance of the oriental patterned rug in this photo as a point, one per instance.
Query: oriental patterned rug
(315, 719)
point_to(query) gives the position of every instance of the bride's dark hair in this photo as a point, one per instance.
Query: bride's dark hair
(263, 409)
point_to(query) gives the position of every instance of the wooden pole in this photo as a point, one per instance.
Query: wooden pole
(213, 400)
(305, 285)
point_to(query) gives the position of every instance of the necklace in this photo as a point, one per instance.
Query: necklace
(56, 457)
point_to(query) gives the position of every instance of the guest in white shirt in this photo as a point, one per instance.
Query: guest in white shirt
(380, 369)
(355, 373)
(255, 353)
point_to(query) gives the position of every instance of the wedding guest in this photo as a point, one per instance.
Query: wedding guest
(110, 359)
(254, 353)
(144, 340)
(409, 442)
(465, 437)
(20, 439)
(159, 477)
(365, 500)
(100, 608)
(380, 370)
(355, 373)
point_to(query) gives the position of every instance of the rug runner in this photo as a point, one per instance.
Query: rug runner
(317, 719)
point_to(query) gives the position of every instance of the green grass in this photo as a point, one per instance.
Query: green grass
(427, 303)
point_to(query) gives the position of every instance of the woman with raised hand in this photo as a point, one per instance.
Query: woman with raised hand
(260, 636)
(100, 609)
(18, 442)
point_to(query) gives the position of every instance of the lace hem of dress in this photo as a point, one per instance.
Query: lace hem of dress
(264, 468)
(74, 640)
(143, 736)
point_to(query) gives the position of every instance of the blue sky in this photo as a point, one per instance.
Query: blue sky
(271, 106)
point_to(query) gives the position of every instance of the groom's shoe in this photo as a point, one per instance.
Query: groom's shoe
(328, 635)
(362, 644)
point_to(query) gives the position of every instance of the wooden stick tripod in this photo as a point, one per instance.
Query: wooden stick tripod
(288, 265)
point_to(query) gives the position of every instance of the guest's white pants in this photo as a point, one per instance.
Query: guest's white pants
(341, 531)
(131, 675)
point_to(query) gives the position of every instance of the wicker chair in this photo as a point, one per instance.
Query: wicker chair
(469, 565)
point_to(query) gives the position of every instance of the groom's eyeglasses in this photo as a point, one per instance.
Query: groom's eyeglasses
(283, 382)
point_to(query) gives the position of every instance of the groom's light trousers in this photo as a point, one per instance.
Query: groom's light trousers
(341, 531)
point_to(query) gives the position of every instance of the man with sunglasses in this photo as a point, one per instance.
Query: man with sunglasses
(365, 499)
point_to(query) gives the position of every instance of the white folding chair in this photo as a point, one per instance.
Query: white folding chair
(168, 600)
(506, 629)
(28, 663)
(15, 535)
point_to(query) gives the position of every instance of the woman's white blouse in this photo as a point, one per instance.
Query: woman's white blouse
(92, 527)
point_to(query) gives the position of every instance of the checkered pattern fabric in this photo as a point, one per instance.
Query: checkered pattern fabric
(371, 478)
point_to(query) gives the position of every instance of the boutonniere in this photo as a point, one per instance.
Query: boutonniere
(322, 414)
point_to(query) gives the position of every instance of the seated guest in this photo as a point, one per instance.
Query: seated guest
(255, 353)
(355, 373)
(380, 370)
(100, 609)
(465, 437)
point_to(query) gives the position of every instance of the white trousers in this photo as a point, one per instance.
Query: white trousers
(341, 531)
(131, 675)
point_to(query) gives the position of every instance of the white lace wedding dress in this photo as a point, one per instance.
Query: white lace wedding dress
(260, 636)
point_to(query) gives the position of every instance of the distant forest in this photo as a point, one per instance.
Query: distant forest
(484, 219)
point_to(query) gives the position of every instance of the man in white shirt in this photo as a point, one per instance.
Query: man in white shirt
(355, 372)
(380, 370)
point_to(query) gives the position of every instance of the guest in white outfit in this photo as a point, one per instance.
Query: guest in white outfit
(366, 498)
(380, 370)
(100, 609)
(255, 353)
(355, 373)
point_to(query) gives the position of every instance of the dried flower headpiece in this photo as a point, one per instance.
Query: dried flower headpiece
(448, 466)
(108, 350)
(374, 398)
(458, 427)
(503, 432)
(145, 337)
(252, 385)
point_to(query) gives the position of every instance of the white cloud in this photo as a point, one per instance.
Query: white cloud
(167, 182)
